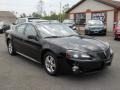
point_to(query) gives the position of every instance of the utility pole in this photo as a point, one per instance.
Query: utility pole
(60, 11)
(40, 7)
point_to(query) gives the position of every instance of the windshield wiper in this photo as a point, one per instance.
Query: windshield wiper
(73, 35)
(54, 37)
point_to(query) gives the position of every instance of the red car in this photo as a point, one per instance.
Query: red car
(117, 31)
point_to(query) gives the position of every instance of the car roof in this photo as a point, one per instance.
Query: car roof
(34, 23)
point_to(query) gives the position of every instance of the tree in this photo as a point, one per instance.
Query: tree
(23, 15)
(34, 14)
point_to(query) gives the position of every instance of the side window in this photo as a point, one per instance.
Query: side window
(20, 29)
(30, 30)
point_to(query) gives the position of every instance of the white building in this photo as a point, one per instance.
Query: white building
(106, 10)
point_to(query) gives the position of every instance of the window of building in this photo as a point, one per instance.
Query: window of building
(99, 16)
(80, 18)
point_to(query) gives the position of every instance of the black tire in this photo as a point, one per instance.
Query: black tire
(55, 62)
(11, 49)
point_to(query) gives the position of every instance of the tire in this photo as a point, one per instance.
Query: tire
(11, 49)
(51, 64)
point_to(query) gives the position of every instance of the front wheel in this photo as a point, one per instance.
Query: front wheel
(11, 48)
(51, 64)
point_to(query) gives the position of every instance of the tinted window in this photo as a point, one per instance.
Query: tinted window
(21, 28)
(30, 30)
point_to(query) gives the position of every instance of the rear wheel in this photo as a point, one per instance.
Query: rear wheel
(51, 64)
(11, 49)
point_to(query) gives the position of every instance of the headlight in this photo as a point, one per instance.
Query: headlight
(71, 54)
(111, 51)
(73, 27)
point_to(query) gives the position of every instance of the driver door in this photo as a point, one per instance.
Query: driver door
(32, 46)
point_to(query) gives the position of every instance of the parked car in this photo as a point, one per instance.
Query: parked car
(4, 27)
(117, 30)
(57, 46)
(95, 27)
(70, 23)
(54, 21)
(26, 20)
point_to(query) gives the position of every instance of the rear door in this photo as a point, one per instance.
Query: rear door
(18, 38)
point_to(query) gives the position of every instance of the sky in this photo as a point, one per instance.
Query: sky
(29, 6)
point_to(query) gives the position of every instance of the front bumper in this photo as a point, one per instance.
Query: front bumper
(103, 31)
(89, 65)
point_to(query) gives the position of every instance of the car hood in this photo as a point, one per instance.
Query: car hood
(79, 44)
(96, 26)
(69, 24)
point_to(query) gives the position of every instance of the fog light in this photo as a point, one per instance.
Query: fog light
(75, 68)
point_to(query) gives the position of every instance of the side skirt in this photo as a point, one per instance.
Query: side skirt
(28, 57)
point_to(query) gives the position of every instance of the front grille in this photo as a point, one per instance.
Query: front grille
(95, 29)
(104, 54)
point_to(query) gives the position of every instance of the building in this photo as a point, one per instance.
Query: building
(7, 17)
(106, 10)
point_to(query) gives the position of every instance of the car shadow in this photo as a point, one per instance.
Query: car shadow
(70, 75)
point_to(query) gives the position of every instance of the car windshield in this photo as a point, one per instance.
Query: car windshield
(54, 21)
(58, 30)
(95, 22)
(68, 21)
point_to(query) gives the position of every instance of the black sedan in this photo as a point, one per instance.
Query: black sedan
(56, 47)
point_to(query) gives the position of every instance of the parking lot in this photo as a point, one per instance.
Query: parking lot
(19, 73)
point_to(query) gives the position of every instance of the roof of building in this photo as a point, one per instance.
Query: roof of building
(7, 14)
(115, 4)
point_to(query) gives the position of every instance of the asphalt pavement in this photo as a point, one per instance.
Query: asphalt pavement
(19, 73)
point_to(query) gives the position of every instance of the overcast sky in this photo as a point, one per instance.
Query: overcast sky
(29, 6)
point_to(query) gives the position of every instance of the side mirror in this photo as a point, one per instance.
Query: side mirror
(33, 37)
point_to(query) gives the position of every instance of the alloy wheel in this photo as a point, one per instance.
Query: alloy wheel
(50, 64)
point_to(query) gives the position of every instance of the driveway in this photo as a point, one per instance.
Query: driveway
(19, 73)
